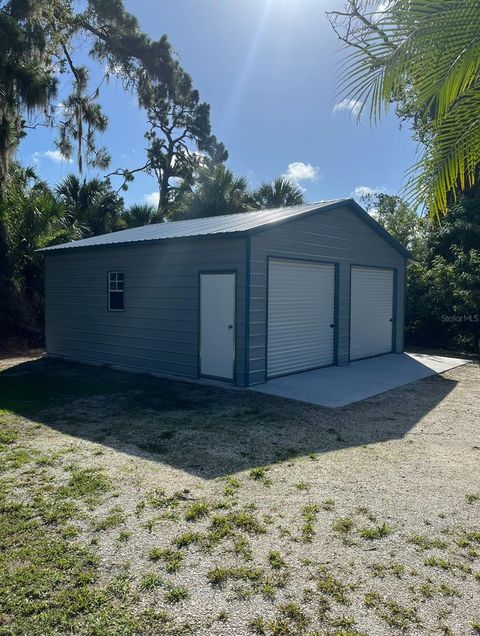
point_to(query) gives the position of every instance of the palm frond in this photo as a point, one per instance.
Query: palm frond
(430, 48)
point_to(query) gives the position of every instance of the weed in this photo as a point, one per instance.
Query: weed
(295, 614)
(150, 581)
(443, 564)
(188, 538)
(302, 485)
(380, 569)
(223, 526)
(343, 525)
(140, 507)
(124, 536)
(175, 594)
(260, 474)
(329, 585)
(112, 519)
(8, 436)
(328, 504)
(258, 626)
(197, 510)
(427, 590)
(87, 483)
(363, 510)
(173, 558)
(472, 498)
(158, 499)
(344, 622)
(268, 590)
(70, 532)
(242, 548)
(375, 533)
(426, 543)
(309, 514)
(220, 574)
(276, 560)
(232, 486)
(392, 612)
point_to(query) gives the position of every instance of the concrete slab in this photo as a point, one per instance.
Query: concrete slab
(339, 386)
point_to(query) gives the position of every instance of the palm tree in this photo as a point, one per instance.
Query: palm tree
(279, 193)
(139, 214)
(424, 56)
(218, 191)
(33, 218)
(92, 203)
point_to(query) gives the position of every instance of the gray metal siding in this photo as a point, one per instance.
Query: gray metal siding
(158, 330)
(336, 236)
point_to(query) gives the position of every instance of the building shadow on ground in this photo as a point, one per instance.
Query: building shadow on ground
(206, 431)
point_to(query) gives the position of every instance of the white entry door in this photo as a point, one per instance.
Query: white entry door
(301, 314)
(217, 325)
(371, 312)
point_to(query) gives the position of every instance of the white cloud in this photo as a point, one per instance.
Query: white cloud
(352, 106)
(298, 171)
(152, 199)
(364, 191)
(53, 155)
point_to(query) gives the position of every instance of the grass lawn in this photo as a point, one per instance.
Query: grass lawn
(131, 506)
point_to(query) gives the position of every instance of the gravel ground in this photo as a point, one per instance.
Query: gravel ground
(360, 520)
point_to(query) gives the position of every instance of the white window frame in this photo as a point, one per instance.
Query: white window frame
(116, 284)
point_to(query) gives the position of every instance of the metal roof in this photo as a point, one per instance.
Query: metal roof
(218, 226)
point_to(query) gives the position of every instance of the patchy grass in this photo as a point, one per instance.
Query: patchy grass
(97, 539)
(88, 483)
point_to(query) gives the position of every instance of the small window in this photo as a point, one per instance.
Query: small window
(115, 291)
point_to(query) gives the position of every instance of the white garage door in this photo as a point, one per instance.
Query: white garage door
(371, 318)
(301, 310)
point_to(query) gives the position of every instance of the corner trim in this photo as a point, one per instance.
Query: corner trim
(248, 285)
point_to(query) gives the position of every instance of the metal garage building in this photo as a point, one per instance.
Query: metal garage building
(242, 297)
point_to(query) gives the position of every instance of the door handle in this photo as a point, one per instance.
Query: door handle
(391, 320)
(332, 326)
(230, 326)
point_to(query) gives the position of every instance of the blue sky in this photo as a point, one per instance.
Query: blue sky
(268, 69)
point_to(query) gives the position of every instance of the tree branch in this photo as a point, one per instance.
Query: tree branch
(127, 174)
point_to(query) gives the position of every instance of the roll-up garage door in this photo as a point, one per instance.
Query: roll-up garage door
(301, 313)
(371, 317)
